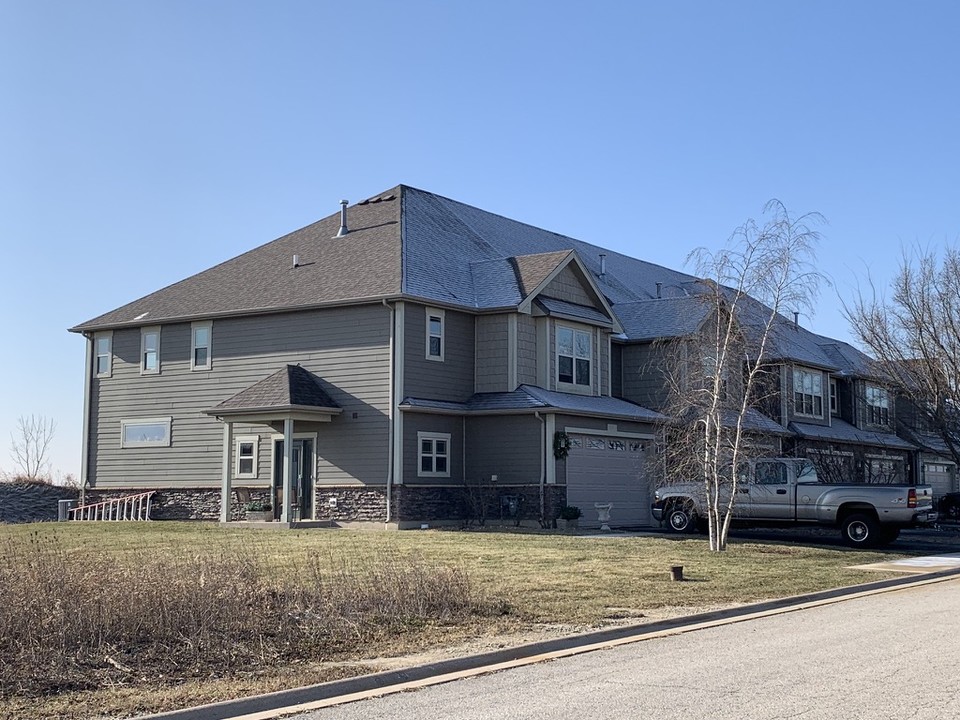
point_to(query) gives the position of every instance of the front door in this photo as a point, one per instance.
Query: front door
(301, 479)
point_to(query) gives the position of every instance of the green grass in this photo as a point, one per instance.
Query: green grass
(349, 594)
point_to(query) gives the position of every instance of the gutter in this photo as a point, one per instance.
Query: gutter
(543, 467)
(85, 442)
(390, 410)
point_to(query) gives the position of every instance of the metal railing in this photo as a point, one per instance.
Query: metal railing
(132, 507)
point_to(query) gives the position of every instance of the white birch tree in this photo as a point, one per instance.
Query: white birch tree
(720, 377)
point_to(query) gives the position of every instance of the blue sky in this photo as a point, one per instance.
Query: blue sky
(141, 142)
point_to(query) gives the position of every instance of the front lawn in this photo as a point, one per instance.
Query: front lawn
(119, 619)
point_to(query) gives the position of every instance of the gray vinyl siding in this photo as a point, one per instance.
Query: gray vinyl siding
(450, 379)
(526, 350)
(492, 356)
(642, 379)
(414, 423)
(348, 348)
(505, 446)
(567, 286)
(602, 339)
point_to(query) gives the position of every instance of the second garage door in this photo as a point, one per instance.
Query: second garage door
(609, 470)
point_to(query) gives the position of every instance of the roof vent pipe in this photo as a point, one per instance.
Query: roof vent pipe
(296, 261)
(343, 219)
(796, 320)
(659, 290)
(603, 265)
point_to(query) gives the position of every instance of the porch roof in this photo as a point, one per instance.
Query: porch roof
(529, 398)
(291, 390)
(843, 432)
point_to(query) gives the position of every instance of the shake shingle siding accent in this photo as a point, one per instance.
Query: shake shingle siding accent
(492, 353)
(348, 348)
(567, 286)
(642, 378)
(527, 350)
(451, 379)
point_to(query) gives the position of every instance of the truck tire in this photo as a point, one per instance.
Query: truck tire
(861, 530)
(682, 518)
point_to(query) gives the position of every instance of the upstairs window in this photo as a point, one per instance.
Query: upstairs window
(808, 393)
(435, 334)
(150, 351)
(834, 402)
(878, 412)
(434, 454)
(200, 356)
(103, 347)
(574, 355)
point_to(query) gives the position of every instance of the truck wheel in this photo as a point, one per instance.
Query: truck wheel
(860, 530)
(681, 519)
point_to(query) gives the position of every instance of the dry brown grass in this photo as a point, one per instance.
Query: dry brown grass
(121, 619)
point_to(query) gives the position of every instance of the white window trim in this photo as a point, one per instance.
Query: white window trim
(421, 436)
(433, 312)
(575, 386)
(793, 388)
(208, 326)
(168, 421)
(108, 335)
(238, 440)
(834, 397)
(882, 397)
(143, 336)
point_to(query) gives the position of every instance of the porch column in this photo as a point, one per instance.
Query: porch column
(227, 467)
(286, 513)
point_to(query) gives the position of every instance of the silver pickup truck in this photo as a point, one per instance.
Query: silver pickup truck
(786, 491)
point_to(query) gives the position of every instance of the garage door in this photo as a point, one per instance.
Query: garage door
(609, 470)
(940, 477)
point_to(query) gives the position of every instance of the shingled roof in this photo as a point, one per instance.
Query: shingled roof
(291, 388)
(415, 244)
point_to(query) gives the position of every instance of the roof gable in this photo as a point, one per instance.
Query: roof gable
(291, 388)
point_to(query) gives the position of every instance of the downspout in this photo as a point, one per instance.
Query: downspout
(543, 468)
(85, 442)
(389, 481)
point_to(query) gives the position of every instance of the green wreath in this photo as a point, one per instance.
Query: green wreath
(561, 445)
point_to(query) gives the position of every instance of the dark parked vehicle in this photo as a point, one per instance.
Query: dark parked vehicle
(949, 507)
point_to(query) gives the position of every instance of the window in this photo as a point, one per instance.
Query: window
(808, 393)
(434, 454)
(152, 432)
(104, 354)
(246, 454)
(878, 412)
(834, 403)
(884, 470)
(434, 334)
(200, 358)
(771, 473)
(574, 354)
(150, 351)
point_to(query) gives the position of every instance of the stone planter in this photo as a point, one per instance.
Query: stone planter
(259, 516)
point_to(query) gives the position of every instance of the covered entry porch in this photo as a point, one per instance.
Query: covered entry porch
(291, 401)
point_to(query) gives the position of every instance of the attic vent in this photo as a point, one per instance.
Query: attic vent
(343, 219)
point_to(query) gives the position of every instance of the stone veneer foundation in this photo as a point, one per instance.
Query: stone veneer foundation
(412, 505)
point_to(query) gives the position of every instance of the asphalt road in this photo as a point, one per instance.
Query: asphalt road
(893, 655)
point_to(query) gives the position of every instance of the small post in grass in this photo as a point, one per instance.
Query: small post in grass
(676, 573)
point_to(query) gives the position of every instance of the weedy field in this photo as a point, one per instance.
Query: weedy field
(115, 620)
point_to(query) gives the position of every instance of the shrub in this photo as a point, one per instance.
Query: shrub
(570, 512)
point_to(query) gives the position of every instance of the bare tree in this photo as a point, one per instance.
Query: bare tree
(915, 338)
(30, 447)
(722, 376)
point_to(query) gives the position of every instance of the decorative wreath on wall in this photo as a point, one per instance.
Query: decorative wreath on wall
(561, 445)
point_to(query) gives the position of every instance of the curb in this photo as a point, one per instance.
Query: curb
(272, 705)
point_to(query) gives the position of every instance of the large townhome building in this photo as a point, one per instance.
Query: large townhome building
(413, 361)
